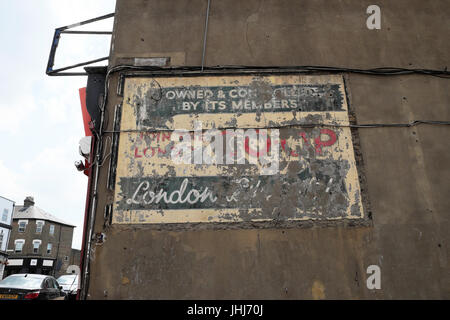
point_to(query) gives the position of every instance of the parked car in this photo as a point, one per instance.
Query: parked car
(69, 283)
(27, 286)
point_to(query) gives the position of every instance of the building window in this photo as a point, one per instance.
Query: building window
(49, 248)
(36, 245)
(39, 226)
(52, 229)
(66, 258)
(5, 215)
(1, 239)
(19, 245)
(22, 225)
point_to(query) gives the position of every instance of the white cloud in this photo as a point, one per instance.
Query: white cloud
(11, 186)
(15, 115)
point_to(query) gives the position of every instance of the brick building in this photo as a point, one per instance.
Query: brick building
(40, 243)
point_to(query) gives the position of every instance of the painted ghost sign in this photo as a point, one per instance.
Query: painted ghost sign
(235, 148)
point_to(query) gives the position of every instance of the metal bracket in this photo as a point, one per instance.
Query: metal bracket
(56, 37)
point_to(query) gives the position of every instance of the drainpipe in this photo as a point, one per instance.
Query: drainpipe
(57, 250)
(97, 159)
(86, 216)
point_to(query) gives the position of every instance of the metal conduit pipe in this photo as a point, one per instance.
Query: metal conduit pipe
(94, 199)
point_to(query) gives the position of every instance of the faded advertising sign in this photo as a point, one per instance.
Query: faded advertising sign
(235, 148)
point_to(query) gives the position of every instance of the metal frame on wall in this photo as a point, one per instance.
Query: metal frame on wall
(64, 30)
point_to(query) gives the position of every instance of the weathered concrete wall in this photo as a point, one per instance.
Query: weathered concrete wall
(405, 169)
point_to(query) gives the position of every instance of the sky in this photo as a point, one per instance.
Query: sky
(40, 116)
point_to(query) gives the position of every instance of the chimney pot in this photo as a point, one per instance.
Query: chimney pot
(28, 202)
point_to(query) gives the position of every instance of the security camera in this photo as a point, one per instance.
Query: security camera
(80, 165)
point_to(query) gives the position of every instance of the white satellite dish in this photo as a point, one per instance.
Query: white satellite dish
(73, 269)
(85, 146)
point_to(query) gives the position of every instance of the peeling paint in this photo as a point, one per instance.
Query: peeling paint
(316, 178)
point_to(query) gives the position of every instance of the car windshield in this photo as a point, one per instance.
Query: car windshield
(21, 282)
(69, 279)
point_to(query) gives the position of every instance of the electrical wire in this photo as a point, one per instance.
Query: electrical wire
(104, 157)
(205, 34)
(380, 71)
(312, 125)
